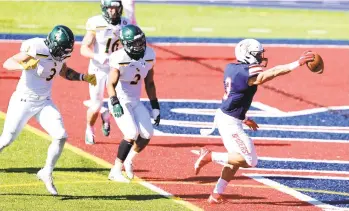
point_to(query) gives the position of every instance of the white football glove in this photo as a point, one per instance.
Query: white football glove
(101, 58)
(156, 116)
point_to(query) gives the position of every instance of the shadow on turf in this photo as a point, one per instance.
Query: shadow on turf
(35, 170)
(116, 197)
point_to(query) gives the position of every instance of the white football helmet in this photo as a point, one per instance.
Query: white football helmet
(250, 51)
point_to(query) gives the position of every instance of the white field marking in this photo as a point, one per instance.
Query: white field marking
(259, 30)
(199, 29)
(314, 31)
(106, 164)
(80, 26)
(257, 138)
(292, 192)
(303, 160)
(304, 176)
(28, 26)
(212, 112)
(197, 152)
(296, 171)
(148, 28)
(266, 127)
(219, 44)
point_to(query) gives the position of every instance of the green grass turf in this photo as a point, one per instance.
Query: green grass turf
(179, 20)
(82, 184)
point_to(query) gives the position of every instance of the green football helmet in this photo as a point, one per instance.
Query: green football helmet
(105, 4)
(133, 40)
(60, 42)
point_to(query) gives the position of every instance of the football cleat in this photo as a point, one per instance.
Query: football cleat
(48, 181)
(105, 127)
(116, 175)
(204, 158)
(89, 137)
(216, 198)
(129, 169)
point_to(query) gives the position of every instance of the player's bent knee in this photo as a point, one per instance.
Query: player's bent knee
(59, 134)
(124, 149)
(147, 134)
(96, 105)
(132, 136)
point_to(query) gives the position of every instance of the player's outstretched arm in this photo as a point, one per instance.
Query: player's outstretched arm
(279, 70)
(151, 92)
(20, 61)
(70, 74)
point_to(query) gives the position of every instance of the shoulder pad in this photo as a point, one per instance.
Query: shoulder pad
(96, 23)
(150, 55)
(119, 58)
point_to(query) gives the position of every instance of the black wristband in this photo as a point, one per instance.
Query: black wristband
(155, 104)
(114, 100)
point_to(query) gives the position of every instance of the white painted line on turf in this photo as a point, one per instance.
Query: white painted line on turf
(292, 159)
(259, 30)
(148, 28)
(28, 26)
(201, 29)
(317, 31)
(292, 192)
(303, 176)
(80, 26)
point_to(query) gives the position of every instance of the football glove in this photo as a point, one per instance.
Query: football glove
(91, 79)
(156, 111)
(30, 64)
(117, 110)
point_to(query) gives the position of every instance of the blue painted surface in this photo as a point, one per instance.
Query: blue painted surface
(200, 40)
(334, 185)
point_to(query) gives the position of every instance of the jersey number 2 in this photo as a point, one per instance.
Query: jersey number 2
(136, 78)
(53, 73)
(114, 46)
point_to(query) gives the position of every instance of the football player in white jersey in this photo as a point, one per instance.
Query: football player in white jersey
(101, 39)
(129, 6)
(40, 61)
(129, 67)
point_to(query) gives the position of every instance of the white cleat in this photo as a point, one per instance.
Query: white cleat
(48, 181)
(129, 169)
(89, 137)
(116, 175)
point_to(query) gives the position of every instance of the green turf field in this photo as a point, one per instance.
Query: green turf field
(180, 20)
(81, 183)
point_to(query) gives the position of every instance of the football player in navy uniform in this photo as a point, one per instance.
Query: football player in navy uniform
(241, 80)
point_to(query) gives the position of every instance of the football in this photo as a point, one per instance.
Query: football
(316, 66)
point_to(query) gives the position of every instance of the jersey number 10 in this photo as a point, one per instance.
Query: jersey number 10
(114, 46)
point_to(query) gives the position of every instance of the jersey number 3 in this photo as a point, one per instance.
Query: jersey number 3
(53, 73)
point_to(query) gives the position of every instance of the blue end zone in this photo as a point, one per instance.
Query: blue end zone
(337, 189)
(297, 165)
(188, 120)
(200, 40)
